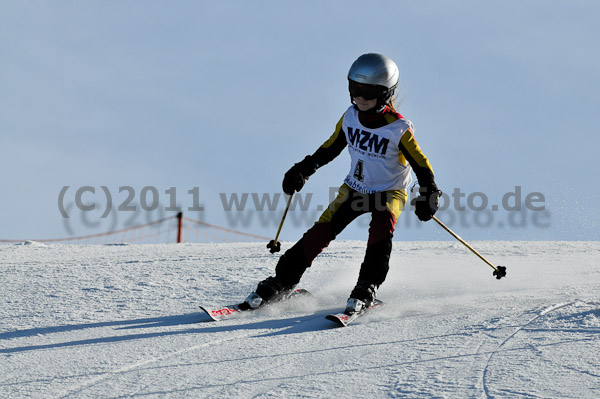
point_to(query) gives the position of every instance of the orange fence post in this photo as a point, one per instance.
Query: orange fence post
(179, 226)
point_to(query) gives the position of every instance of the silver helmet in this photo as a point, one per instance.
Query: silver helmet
(374, 69)
(380, 75)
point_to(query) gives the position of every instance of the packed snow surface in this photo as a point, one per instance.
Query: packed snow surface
(121, 321)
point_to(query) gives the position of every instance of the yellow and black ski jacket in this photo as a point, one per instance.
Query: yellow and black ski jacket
(369, 138)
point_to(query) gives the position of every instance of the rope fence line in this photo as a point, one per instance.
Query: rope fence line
(225, 229)
(176, 228)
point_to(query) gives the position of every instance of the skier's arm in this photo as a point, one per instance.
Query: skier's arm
(330, 149)
(295, 178)
(426, 204)
(417, 159)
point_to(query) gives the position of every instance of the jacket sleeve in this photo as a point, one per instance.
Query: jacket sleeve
(332, 147)
(418, 161)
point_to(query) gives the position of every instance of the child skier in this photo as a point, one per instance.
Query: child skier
(383, 151)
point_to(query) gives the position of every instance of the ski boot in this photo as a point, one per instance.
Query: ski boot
(268, 290)
(361, 297)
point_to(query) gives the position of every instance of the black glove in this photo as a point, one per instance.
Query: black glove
(426, 204)
(295, 178)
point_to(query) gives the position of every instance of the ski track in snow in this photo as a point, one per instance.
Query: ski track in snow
(121, 370)
(503, 343)
(123, 321)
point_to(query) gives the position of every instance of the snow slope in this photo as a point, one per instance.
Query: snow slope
(123, 321)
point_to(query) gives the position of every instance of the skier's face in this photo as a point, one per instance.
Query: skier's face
(364, 105)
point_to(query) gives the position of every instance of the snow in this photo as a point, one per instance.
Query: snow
(122, 321)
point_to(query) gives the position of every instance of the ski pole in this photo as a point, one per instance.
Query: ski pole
(499, 271)
(274, 245)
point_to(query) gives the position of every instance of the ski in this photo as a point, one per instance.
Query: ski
(225, 312)
(343, 319)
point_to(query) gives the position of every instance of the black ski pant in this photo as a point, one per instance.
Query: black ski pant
(385, 207)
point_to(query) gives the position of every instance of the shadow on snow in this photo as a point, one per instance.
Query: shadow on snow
(290, 325)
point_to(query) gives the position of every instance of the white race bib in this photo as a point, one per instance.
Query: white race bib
(376, 161)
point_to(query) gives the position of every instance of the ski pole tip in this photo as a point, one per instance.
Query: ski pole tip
(500, 272)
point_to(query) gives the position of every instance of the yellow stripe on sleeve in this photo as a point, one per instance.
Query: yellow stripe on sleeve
(414, 151)
(336, 133)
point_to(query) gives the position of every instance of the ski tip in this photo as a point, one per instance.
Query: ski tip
(209, 313)
(339, 319)
(220, 314)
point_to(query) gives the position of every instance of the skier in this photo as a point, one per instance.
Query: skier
(383, 151)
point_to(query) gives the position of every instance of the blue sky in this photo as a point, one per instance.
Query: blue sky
(227, 96)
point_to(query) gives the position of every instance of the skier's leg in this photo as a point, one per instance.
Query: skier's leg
(294, 262)
(373, 271)
(375, 265)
